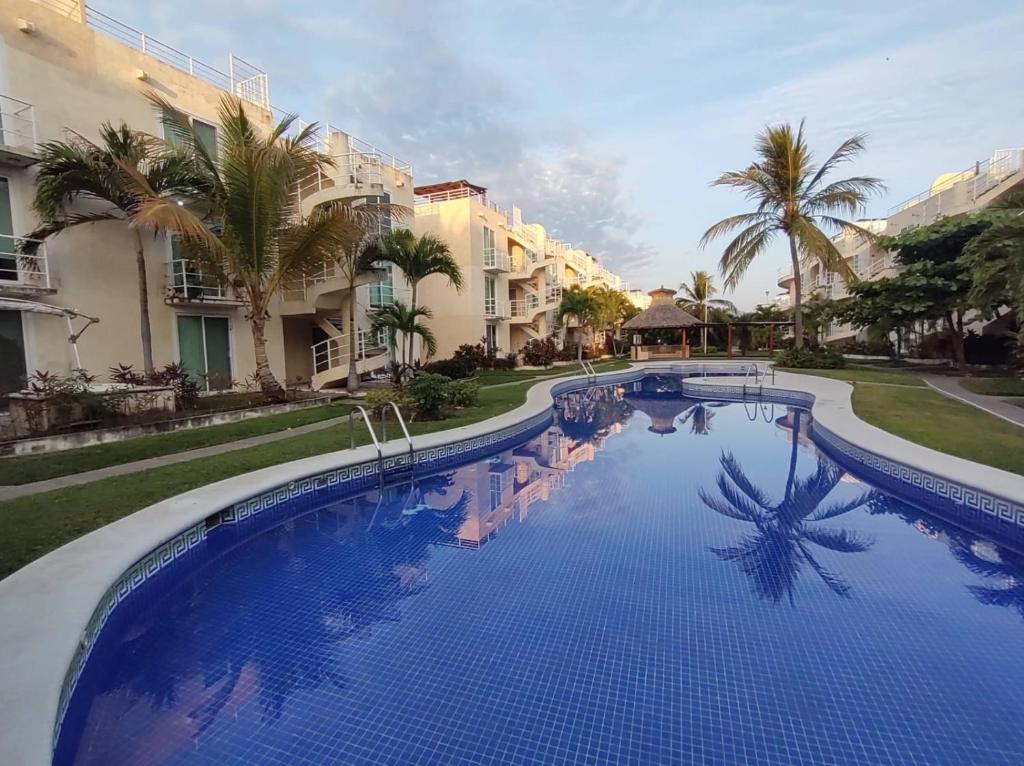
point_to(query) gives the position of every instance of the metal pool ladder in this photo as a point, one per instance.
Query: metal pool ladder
(588, 369)
(361, 411)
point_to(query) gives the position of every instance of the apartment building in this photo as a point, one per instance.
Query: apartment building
(950, 194)
(514, 272)
(65, 67)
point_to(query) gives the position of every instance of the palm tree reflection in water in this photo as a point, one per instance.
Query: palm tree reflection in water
(786, 532)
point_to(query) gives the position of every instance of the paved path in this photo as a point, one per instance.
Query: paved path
(994, 405)
(9, 492)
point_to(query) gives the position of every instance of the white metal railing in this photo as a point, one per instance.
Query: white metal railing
(21, 270)
(496, 260)
(524, 307)
(977, 180)
(187, 280)
(496, 308)
(351, 169)
(334, 352)
(67, 8)
(296, 289)
(17, 123)
(552, 293)
(446, 196)
(242, 78)
(325, 139)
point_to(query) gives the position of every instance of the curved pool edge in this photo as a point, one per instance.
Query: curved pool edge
(51, 608)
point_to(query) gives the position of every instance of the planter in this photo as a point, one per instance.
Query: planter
(39, 413)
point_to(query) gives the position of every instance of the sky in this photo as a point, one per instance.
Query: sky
(607, 121)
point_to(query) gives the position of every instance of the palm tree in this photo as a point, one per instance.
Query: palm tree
(793, 199)
(249, 230)
(101, 174)
(419, 258)
(698, 296)
(399, 318)
(577, 304)
(609, 310)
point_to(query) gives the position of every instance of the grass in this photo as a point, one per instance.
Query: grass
(497, 377)
(865, 375)
(34, 525)
(29, 468)
(929, 418)
(995, 386)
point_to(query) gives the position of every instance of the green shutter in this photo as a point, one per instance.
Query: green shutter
(191, 352)
(218, 352)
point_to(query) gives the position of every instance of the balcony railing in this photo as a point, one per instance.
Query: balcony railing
(524, 307)
(496, 260)
(20, 272)
(17, 124)
(496, 308)
(334, 352)
(187, 282)
(976, 180)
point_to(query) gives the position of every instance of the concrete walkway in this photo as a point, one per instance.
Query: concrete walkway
(10, 492)
(952, 387)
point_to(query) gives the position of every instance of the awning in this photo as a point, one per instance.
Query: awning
(20, 304)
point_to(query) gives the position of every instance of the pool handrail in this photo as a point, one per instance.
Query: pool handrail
(401, 422)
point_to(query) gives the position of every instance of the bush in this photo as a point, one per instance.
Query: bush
(568, 353)
(126, 375)
(429, 393)
(377, 400)
(473, 355)
(455, 368)
(821, 358)
(540, 353)
(186, 390)
(463, 393)
(988, 349)
(880, 347)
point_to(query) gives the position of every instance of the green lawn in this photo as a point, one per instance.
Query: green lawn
(496, 377)
(32, 526)
(864, 375)
(995, 386)
(929, 418)
(28, 468)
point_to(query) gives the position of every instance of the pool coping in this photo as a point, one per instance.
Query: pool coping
(48, 607)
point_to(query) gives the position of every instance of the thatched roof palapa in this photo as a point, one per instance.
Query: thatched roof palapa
(663, 314)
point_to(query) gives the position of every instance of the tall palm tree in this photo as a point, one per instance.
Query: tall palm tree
(101, 174)
(401, 319)
(610, 307)
(698, 297)
(419, 258)
(792, 199)
(577, 304)
(249, 229)
(358, 259)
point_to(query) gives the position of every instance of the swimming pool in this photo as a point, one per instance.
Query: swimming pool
(651, 579)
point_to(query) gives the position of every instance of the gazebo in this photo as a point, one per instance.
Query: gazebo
(659, 332)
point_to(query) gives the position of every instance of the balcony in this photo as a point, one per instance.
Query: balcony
(186, 283)
(22, 273)
(496, 308)
(17, 133)
(496, 261)
(524, 308)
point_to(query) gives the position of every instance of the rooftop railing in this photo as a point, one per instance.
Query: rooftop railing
(21, 271)
(452, 194)
(242, 78)
(979, 179)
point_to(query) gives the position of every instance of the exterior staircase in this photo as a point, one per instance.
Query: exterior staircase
(331, 356)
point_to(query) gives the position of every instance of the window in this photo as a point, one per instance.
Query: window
(490, 303)
(207, 135)
(204, 349)
(488, 239)
(8, 259)
(491, 338)
(13, 368)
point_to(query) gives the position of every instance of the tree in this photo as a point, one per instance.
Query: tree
(891, 305)
(698, 297)
(994, 258)
(609, 309)
(399, 318)
(419, 258)
(577, 304)
(249, 230)
(104, 174)
(793, 200)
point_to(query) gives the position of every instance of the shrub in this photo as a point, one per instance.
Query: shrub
(186, 389)
(879, 347)
(377, 399)
(474, 356)
(454, 368)
(429, 393)
(821, 358)
(540, 353)
(988, 349)
(126, 375)
(463, 393)
(567, 354)
(503, 362)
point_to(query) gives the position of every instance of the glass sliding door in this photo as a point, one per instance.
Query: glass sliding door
(8, 250)
(204, 348)
(13, 367)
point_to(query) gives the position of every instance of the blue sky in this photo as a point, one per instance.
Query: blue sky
(606, 121)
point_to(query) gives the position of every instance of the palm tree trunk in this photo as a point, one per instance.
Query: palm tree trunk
(268, 383)
(353, 373)
(704, 330)
(412, 336)
(792, 454)
(798, 316)
(144, 328)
